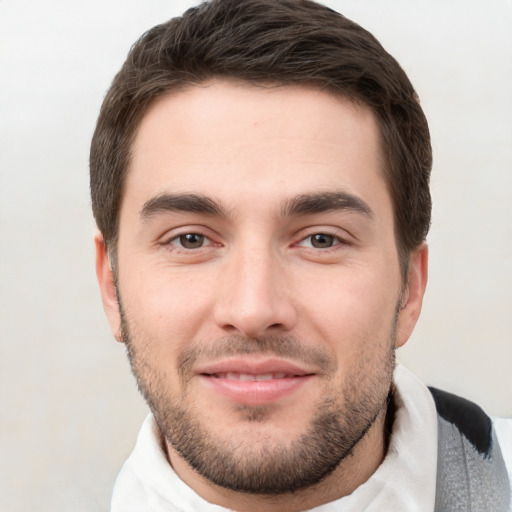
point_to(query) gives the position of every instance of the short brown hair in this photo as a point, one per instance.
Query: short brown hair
(267, 42)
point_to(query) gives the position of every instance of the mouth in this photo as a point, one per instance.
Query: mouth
(248, 377)
(254, 382)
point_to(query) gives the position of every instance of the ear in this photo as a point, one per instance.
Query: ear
(413, 294)
(105, 278)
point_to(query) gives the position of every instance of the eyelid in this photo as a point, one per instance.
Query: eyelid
(206, 241)
(174, 234)
(336, 242)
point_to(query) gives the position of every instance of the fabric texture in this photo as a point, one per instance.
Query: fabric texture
(411, 478)
(471, 473)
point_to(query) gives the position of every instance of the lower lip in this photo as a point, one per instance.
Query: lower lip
(255, 392)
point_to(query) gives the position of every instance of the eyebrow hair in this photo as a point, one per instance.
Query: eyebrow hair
(303, 204)
(306, 204)
(192, 203)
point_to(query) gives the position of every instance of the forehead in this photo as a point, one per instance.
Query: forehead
(257, 142)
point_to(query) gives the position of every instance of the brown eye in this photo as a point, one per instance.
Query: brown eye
(322, 241)
(191, 241)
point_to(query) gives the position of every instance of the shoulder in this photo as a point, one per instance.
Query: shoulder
(469, 419)
(474, 455)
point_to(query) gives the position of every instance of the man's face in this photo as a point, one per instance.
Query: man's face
(259, 281)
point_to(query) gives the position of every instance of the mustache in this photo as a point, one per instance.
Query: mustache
(286, 347)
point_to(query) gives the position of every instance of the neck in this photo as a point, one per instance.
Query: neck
(352, 472)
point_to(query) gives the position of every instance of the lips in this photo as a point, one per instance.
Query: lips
(253, 382)
(248, 377)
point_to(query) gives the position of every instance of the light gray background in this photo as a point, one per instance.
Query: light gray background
(69, 407)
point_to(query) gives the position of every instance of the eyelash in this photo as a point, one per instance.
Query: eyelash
(178, 240)
(335, 243)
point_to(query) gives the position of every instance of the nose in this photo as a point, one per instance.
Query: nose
(253, 297)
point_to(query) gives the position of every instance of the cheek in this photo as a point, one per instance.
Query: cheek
(352, 310)
(165, 304)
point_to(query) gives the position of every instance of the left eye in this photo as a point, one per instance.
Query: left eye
(320, 241)
(191, 241)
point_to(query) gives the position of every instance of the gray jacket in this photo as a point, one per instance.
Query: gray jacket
(471, 473)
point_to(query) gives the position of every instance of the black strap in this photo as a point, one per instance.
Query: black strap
(469, 418)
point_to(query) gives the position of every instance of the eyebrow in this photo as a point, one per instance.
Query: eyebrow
(304, 204)
(307, 204)
(191, 203)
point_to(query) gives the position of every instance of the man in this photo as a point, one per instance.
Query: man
(259, 177)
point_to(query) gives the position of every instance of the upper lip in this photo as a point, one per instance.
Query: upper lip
(254, 367)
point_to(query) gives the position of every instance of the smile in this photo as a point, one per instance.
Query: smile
(251, 382)
(247, 377)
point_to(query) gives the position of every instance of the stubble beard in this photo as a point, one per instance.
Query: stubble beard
(259, 464)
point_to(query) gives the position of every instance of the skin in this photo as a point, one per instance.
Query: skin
(258, 274)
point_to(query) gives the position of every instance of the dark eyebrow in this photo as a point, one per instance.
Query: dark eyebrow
(307, 204)
(192, 203)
